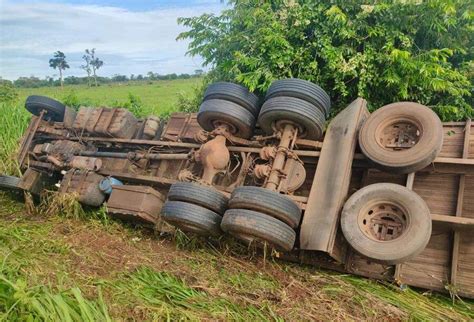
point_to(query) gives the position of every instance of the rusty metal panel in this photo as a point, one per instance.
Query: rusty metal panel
(35, 181)
(331, 181)
(181, 127)
(111, 122)
(139, 204)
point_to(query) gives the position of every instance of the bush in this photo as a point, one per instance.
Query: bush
(382, 50)
(72, 100)
(133, 104)
(8, 93)
(191, 103)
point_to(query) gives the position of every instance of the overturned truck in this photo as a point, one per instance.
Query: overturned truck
(387, 195)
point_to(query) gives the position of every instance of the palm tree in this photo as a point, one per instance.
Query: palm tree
(59, 62)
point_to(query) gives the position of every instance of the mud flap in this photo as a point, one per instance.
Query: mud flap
(320, 226)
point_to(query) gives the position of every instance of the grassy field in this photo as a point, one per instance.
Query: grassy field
(87, 267)
(158, 97)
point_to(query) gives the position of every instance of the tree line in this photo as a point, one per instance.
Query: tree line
(35, 82)
(92, 63)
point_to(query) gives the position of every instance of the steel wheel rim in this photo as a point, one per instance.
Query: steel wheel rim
(400, 134)
(383, 221)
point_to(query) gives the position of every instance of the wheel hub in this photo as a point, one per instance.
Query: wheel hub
(383, 221)
(225, 126)
(279, 126)
(398, 135)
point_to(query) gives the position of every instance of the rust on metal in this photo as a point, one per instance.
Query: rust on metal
(317, 175)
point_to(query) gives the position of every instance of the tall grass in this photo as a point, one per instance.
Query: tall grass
(26, 252)
(13, 123)
(167, 297)
(18, 302)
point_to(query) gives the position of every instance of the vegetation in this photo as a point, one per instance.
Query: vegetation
(8, 93)
(36, 82)
(93, 63)
(58, 267)
(383, 51)
(59, 62)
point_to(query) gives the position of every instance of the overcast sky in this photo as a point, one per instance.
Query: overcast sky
(130, 36)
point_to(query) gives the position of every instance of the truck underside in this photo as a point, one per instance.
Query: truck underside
(317, 174)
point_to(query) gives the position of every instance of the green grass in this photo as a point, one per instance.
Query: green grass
(64, 263)
(159, 97)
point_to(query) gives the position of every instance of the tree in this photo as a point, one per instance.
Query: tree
(151, 76)
(381, 50)
(198, 72)
(59, 62)
(87, 66)
(94, 62)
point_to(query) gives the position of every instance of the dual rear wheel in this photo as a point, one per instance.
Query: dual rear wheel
(295, 101)
(262, 217)
(195, 208)
(255, 215)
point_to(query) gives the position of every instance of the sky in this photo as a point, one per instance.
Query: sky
(130, 36)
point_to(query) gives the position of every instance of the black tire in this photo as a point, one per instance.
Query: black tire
(54, 109)
(234, 93)
(268, 202)
(255, 227)
(192, 218)
(217, 111)
(429, 140)
(374, 240)
(9, 183)
(198, 194)
(309, 118)
(302, 89)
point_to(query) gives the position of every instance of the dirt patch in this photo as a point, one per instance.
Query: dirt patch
(93, 252)
(101, 254)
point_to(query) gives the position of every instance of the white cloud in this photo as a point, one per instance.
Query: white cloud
(128, 41)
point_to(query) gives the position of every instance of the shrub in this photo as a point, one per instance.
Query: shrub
(72, 100)
(8, 93)
(382, 50)
(133, 104)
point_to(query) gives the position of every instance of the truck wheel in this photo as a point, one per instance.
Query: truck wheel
(255, 227)
(192, 218)
(278, 110)
(386, 222)
(9, 183)
(302, 89)
(54, 109)
(199, 194)
(268, 202)
(216, 112)
(402, 137)
(234, 93)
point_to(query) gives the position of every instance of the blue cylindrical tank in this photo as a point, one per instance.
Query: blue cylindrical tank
(106, 184)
